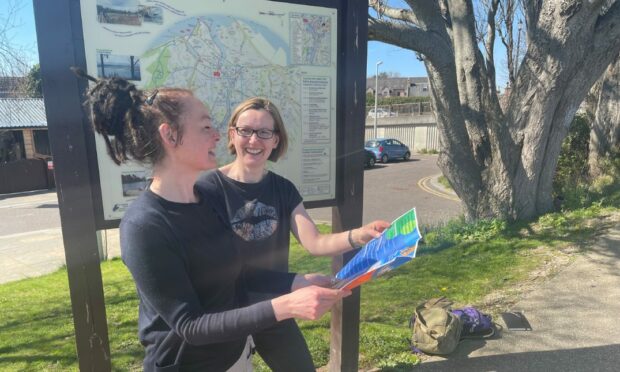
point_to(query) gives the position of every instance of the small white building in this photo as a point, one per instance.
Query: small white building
(399, 86)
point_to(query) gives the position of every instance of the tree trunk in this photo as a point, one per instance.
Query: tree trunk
(501, 164)
(605, 132)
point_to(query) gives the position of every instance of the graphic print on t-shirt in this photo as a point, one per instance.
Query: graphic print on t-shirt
(255, 221)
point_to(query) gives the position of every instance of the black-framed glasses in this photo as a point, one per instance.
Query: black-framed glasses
(260, 133)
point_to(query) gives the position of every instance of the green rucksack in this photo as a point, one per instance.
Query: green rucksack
(435, 329)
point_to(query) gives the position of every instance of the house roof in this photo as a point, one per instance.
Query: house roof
(395, 82)
(22, 113)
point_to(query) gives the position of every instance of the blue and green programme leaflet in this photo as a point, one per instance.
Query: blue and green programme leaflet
(396, 245)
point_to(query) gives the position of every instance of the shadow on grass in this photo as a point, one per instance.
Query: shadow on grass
(39, 336)
(44, 318)
(35, 359)
(33, 345)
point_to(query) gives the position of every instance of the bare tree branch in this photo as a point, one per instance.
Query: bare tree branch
(508, 15)
(408, 36)
(13, 60)
(489, 45)
(397, 14)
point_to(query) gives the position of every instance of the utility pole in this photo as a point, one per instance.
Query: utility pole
(376, 94)
(516, 62)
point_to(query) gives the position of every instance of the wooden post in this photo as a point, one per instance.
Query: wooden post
(56, 23)
(347, 214)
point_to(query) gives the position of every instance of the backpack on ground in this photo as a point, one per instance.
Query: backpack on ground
(475, 323)
(436, 330)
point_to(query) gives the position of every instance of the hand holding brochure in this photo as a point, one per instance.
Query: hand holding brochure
(396, 245)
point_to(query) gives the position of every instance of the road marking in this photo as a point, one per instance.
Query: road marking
(54, 231)
(27, 204)
(423, 184)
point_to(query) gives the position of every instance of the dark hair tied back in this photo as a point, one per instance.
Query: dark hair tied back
(128, 120)
(114, 108)
(114, 105)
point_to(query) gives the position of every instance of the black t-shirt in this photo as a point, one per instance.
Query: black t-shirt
(187, 274)
(258, 213)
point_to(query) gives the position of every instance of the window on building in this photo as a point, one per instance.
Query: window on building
(41, 142)
(12, 145)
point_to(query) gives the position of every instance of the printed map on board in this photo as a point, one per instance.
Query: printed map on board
(225, 52)
(225, 60)
(310, 36)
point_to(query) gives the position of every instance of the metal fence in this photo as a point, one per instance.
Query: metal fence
(403, 109)
(411, 123)
(418, 136)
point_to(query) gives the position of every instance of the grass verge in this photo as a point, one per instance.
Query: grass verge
(465, 262)
(444, 182)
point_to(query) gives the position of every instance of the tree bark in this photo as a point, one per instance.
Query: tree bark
(605, 131)
(501, 164)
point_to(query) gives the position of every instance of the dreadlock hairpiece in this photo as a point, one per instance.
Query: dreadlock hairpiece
(114, 107)
(128, 119)
(80, 73)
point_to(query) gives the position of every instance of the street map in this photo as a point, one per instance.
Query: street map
(225, 51)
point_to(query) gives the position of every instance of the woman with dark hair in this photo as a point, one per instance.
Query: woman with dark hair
(262, 209)
(188, 275)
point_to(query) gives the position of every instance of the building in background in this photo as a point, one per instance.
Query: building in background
(23, 129)
(25, 156)
(399, 86)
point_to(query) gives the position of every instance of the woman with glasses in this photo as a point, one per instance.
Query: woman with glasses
(187, 272)
(263, 208)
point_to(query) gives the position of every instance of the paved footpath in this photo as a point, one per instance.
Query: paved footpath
(30, 237)
(31, 254)
(575, 319)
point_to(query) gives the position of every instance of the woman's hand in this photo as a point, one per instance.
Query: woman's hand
(305, 280)
(309, 303)
(368, 232)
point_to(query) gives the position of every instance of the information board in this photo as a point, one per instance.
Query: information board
(225, 51)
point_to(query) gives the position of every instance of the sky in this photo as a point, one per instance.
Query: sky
(394, 59)
(24, 34)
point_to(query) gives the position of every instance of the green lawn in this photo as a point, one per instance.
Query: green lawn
(460, 261)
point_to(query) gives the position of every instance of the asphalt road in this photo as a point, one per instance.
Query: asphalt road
(27, 212)
(392, 189)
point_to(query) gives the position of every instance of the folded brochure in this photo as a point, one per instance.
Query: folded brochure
(396, 245)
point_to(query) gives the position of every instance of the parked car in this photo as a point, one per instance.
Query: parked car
(369, 159)
(386, 149)
(381, 113)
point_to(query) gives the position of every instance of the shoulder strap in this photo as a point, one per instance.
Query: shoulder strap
(438, 302)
